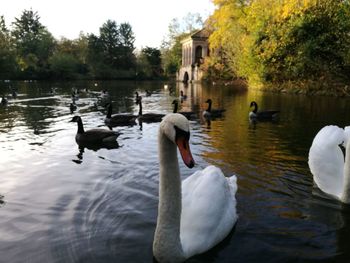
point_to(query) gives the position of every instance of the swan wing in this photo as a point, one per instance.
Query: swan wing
(208, 210)
(326, 160)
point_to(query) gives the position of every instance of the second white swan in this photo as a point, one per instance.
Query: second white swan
(331, 171)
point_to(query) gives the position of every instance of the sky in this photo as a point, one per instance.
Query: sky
(149, 19)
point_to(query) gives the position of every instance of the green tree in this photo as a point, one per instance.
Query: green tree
(269, 41)
(110, 41)
(34, 44)
(110, 55)
(127, 40)
(8, 64)
(64, 65)
(69, 58)
(171, 48)
(151, 59)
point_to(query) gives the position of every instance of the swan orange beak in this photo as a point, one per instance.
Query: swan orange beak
(185, 151)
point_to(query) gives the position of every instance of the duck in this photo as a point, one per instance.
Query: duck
(330, 170)
(196, 214)
(212, 113)
(262, 115)
(93, 136)
(120, 119)
(148, 117)
(188, 114)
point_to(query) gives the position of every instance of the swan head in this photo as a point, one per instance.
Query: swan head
(174, 102)
(208, 101)
(176, 128)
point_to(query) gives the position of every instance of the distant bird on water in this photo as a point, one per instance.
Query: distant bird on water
(148, 117)
(188, 114)
(262, 115)
(212, 113)
(120, 119)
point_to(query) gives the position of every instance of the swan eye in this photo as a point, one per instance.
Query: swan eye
(181, 133)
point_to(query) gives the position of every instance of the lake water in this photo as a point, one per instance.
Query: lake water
(62, 204)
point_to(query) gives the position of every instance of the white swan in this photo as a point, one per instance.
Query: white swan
(203, 215)
(330, 171)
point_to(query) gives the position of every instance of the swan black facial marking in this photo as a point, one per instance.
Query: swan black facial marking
(342, 148)
(181, 133)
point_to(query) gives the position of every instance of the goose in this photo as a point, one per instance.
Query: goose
(148, 93)
(187, 114)
(120, 119)
(331, 172)
(197, 214)
(72, 105)
(93, 136)
(182, 96)
(262, 115)
(212, 113)
(148, 117)
(137, 98)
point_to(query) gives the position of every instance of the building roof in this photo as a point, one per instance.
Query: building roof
(202, 34)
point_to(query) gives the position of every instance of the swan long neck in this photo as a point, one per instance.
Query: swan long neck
(346, 191)
(167, 245)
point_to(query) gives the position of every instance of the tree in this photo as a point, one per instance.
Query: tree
(126, 46)
(269, 41)
(151, 58)
(34, 43)
(8, 63)
(64, 65)
(69, 58)
(171, 47)
(110, 41)
(110, 55)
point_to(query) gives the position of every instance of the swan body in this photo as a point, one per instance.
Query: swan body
(262, 115)
(212, 113)
(195, 215)
(119, 119)
(93, 136)
(148, 117)
(330, 171)
(188, 114)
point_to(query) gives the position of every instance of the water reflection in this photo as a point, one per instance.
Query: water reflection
(105, 208)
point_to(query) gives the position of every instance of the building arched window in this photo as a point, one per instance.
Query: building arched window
(198, 55)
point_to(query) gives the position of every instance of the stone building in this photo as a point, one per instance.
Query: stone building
(194, 50)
